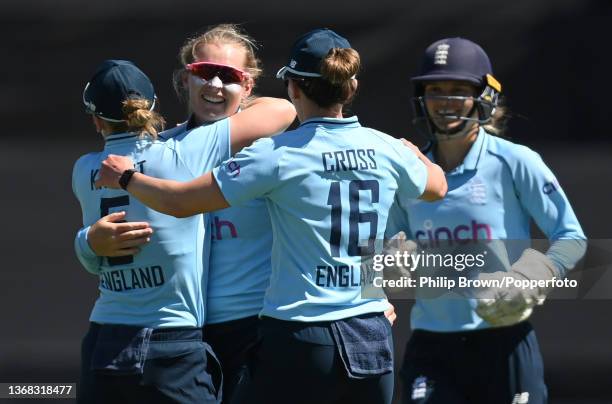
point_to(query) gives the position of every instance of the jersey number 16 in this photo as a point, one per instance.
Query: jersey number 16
(355, 218)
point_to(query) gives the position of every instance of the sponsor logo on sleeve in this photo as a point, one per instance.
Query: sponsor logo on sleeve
(233, 168)
(550, 187)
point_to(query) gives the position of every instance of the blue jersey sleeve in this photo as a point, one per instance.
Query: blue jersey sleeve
(203, 147)
(412, 174)
(86, 256)
(251, 173)
(541, 195)
(84, 253)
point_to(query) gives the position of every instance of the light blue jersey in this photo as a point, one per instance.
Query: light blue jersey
(164, 285)
(491, 196)
(240, 261)
(328, 185)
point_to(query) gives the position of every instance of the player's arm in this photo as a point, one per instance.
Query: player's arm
(540, 194)
(436, 185)
(262, 117)
(85, 255)
(390, 314)
(179, 199)
(88, 259)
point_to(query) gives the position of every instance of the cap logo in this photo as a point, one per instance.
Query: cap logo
(441, 54)
(293, 63)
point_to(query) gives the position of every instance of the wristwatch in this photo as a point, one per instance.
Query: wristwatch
(126, 177)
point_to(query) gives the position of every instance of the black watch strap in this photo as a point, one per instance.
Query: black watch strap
(125, 178)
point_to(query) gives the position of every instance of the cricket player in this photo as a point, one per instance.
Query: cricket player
(468, 350)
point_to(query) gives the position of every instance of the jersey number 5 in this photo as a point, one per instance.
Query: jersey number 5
(355, 217)
(105, 205)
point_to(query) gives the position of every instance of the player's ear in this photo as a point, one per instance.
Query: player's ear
(97, 123)
(184, 79)
(293, 90)
(102, 127)
(248, 85)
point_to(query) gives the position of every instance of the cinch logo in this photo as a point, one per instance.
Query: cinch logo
(462, 234)
(218, 224)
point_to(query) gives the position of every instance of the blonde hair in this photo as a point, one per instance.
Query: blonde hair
(138, 118)
(219, 34)
(336, 84)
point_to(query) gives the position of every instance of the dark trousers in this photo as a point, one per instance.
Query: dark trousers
(178, 368)
(235, 343)
(500, 365)
(291, 370)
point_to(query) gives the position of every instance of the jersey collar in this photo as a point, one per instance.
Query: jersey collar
(332, 122)
(472, 158)
(110, 139)
(191, 123)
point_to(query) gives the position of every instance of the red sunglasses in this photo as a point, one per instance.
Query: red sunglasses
(227, 74)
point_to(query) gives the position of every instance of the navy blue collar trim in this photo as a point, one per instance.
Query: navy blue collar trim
(427, 148)
(119, 138)
(325, 122)
(332, 121)
(191, 123)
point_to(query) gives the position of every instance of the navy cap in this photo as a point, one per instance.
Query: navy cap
(455, 59)
(308, 51)
(113, 82)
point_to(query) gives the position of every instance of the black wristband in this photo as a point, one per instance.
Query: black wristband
(126, 177)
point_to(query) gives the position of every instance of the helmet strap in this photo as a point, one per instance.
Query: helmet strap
(460, 131)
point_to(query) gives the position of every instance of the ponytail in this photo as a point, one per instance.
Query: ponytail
(139, 117)
(337, 84)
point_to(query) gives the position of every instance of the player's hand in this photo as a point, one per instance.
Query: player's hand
(398, 245)
(510, 305)
(390, 314)
(506, 306)
(110, 238)
(505, 312)
(111, 170)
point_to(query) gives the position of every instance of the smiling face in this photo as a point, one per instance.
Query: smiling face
(442, 109)
(211, 100)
